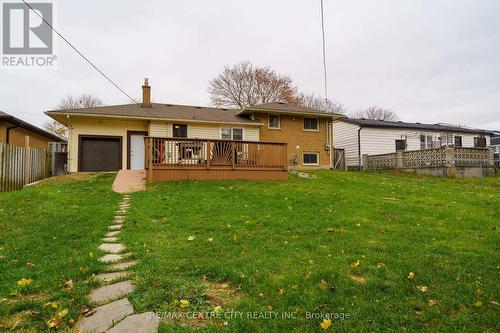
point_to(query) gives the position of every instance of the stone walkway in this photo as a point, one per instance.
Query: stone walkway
(112, 311)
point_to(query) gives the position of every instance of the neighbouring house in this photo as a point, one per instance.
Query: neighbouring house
(14, 131)
(111, 138)
(495, 144)
(358, 137)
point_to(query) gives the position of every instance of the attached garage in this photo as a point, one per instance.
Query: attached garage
(100, 153)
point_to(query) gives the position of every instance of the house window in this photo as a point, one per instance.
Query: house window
(180, 131)
(311, 124)
(479, 142)
(310, 158)
(430, 144)
(231, 134)
(422, 142)
(458, 141)
(400, 145)
(274, 121)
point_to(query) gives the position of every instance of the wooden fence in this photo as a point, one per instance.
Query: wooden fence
(20, 166)
(178, 158)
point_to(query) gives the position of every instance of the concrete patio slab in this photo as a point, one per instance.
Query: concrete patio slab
(111, 292)
(128, 181)
(108, 277)
(105, 316)
(112, 247)
(146, 322)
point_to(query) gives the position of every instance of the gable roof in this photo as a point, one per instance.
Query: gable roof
(418, 126)
(159, 111)
(281, 107)
(22, 124)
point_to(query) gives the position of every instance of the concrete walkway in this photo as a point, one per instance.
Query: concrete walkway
(128, 181)
(113, 312)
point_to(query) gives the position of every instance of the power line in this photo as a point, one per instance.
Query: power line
(324, 50)
(76, 50)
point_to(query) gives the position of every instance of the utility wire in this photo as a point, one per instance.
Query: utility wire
(76, 50)
(324, 50)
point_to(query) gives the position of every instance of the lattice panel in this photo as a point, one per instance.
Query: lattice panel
(424, 158)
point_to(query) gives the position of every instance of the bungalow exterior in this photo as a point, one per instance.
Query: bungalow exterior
(358, 137)
(111, 138)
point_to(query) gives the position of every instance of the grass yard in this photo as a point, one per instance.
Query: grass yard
(49, 236)
(343, 243)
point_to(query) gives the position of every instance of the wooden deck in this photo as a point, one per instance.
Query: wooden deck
(196, 159)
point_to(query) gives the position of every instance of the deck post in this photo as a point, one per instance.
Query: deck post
(150, 159)
(208, 153)
(233, 154)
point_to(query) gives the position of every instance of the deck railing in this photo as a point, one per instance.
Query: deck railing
(182, 153)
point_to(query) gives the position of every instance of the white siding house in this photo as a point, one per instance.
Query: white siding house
(362, 136)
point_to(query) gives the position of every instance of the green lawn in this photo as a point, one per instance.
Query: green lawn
(50, 234)
(343, 243)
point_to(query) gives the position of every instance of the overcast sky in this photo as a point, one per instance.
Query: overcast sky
(428, 60)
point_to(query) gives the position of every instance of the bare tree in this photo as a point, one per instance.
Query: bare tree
(376, 113)
(246, 85)
(67, 103)
(316, 102)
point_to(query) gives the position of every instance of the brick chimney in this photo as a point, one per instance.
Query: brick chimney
(146, 94)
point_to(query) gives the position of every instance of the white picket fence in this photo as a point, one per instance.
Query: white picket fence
(20, 166)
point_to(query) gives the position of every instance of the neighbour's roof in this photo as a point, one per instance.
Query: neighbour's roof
(281, 107)
(161, 111)
(21, 123)
(418, 126)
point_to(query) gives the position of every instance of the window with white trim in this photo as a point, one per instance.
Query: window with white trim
(231, 134)
(310, 158)
(274, 121)
(311, 124)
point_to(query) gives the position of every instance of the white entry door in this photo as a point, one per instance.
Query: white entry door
(136, 152)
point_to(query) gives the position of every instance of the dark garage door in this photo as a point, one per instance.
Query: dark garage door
(100, 153)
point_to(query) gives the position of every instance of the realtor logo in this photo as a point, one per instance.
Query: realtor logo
(26, 31)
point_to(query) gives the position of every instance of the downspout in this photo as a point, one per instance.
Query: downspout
(359, 148)
(7, 133)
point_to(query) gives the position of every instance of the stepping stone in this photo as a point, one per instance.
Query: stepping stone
(115, 227)
(122, 265)
(109, 258)
(146, 322)
(111, 292)
(112, 247)
(113, 233)
(110, 239)
(105, 316)
(108, 277)
(119, 218)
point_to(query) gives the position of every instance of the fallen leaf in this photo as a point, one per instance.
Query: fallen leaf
(54, 322)
(431, 302)
(421, 288)
(478, 304)
(282, 291)
(323, 284)
(62, 313)
(191, 238)
(270, 307)
(68, 284)
(24, 282)
(355, 264)
(88, 312)
(411, 276)
(184, 303)
(325, 324)
(494, 303)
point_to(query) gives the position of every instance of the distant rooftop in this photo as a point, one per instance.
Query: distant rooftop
(282, 107)
(418, 126)
(21, 123)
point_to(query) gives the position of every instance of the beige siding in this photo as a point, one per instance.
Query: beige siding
(202, 131)
(160, 129)
(110, 127)
(251, 133)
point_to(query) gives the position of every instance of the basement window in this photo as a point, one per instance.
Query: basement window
(310, 159)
